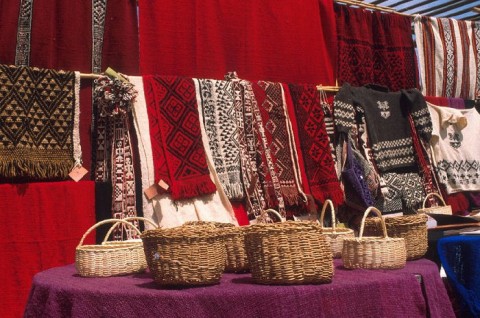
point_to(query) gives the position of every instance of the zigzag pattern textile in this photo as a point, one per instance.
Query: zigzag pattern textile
(39, 134)
(178, 153)
(216, 98)
(315, 144)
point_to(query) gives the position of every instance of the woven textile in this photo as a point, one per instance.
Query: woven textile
(314, 141)
(455, 147)
(216, 101)
(405, 193)
(39, 110)
(375, 47)
(178, 151)
(278, 131)
(449, 56)
(387, 124)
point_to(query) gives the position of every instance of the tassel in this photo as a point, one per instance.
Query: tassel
(187, 189)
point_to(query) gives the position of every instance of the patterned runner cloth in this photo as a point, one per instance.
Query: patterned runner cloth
(319, 164)
(216, 99)
(39, 134)
(178, 151)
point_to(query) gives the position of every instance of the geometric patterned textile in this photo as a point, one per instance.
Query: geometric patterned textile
(216, 100)
(22, 52)
(278, 131)
(375, 47)
(455, 147)
(39, 123)
(178, 152)
(405, 192)
(449, 56)
(315, 144)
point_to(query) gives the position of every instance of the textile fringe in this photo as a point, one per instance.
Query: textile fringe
(324, 192)
(291, 196)
(234, 191)
(181, 189)
(37, 170)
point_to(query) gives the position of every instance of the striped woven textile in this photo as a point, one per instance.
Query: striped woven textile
(449, 56)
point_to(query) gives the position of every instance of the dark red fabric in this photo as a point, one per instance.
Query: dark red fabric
(439, 101)
(179, 157)
(240, 213)
(315, 144)
(375, 47)
(43, 224)
(271, 40)
(9, 11)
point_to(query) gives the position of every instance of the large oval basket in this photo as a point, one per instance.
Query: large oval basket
(374, 252)
(186, 255)
(289, 253)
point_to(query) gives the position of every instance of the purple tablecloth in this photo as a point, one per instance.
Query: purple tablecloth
(60, 292)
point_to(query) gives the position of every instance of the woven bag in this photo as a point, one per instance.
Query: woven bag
(374, 252)
(289, 253)
(334, 235)
(109, 260)
(187, 255)
(413, 228)
(236, 258)
(445, 209)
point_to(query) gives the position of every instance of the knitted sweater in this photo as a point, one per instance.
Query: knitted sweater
(386, 116)
(455, 147)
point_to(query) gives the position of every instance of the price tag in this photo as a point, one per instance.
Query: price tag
(77, 173)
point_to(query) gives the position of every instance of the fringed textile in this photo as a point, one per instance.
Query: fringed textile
(178, 150)
(319, 165)
(449, 56)
(40, 123)
(375, 47)
(216, 101)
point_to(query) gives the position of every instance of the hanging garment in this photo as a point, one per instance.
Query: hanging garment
(375, 47)
(40, 123)
(387, 121)
(216, 105)
(178, 151)
(319, 165)
(455, 147)
(162, 209)
(449, 56)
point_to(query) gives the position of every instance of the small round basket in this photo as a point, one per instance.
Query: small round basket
(334, 235)
(109, 259)
(374, 252)
(234, 237)
(188, 255)
(289, 253)
(441, 209)
(413, 228)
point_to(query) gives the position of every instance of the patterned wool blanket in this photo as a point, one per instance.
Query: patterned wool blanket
(178, 152)
(39, 134)
(216, 105)
(449, 56)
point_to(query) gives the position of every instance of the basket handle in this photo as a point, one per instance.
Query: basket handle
(105, 222)
(329, 203)
(378, 213)
(435, 194)
(130, 218)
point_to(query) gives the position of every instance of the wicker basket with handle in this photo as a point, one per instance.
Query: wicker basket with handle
(442, 209)
(334, 235)
(109, 260)
(289, 253)
(413, 228)
(374, 252)
(129, 240)
(187, 255)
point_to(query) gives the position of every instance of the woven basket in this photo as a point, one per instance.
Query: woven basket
(187, 255)
(374, 252)
(289, 253)
(334, 235)
(129, 240)
(445, 209)
(413, 228)
(236, 257)
(109, 260)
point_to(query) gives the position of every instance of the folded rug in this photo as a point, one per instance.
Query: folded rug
(39, 134)
(178, 151)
